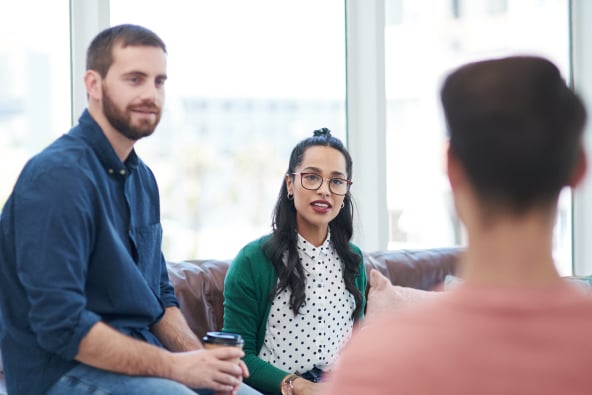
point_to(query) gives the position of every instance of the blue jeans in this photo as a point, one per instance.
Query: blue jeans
(86, 380)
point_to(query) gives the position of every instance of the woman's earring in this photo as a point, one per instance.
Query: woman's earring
(290, 196)
(342, 204)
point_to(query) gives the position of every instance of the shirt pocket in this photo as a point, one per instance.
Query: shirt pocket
(147, 241)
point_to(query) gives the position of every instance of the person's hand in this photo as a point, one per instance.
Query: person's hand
(215, 369)
(245, 370)
(306, 387)
(384, 296)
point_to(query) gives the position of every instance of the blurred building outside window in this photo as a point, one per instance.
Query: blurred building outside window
(35, 104)
(424, 40)
(244, 87)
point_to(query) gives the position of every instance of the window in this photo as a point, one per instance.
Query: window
(247, 81)
(250, 79)
(35, 79)
(432, 38)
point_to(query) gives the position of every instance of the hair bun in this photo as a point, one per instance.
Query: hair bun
(324, 132)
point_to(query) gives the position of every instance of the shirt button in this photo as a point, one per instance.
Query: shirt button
(122, 172)
(110, 171)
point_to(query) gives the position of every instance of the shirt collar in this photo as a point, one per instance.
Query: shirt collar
(91, 132)
(309, 249)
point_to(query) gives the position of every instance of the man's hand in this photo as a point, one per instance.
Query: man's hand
(219, 369)
(215, 369)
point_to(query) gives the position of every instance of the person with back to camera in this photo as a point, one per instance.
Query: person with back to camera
(295, 294)
(513, 326)
(87, 305)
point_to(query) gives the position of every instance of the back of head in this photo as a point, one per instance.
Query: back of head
(99, 55)
(515, 127)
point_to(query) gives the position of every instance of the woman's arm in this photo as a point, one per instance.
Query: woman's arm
(247, 287)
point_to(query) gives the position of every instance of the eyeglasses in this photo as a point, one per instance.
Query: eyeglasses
(313, 181)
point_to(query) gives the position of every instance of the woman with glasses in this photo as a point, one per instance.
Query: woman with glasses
(294, 295)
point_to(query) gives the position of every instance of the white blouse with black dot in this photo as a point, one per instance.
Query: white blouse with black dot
(316, 335)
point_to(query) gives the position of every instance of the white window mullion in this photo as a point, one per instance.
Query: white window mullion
(581, 15)
(87, 18)
(366, 120)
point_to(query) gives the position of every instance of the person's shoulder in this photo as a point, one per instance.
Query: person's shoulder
(63, 159)
(384, 347)
(355, 248)
(578, 298)
(253, 251)
(250, 260)
(255, 246)
(63, 151)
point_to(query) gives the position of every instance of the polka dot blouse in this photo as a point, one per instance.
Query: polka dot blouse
(315, 336)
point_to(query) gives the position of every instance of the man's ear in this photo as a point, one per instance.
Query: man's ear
(93, 83)
(580, 169)
(456, 174)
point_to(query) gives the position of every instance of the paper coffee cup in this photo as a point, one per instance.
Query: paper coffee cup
(223, 339)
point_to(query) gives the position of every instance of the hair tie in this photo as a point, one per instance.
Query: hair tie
(324, 132)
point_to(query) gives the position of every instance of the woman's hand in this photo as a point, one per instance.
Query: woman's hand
(306, 387)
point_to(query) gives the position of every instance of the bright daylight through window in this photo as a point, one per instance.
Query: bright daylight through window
(245, 86)
(424, 39)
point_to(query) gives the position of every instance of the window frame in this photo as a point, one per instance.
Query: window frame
(365, 105)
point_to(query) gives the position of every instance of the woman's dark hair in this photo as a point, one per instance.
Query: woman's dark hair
(284, 235)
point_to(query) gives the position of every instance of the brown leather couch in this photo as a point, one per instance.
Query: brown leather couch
(199, 283)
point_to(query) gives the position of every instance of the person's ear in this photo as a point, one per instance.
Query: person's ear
(289, 184)
(580, 169)
(456, 174)
(93, 84)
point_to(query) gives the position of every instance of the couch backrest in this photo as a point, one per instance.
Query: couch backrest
(422, 268)
(199, 284)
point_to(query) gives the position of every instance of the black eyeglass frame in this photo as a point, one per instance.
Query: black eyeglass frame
(305, 173)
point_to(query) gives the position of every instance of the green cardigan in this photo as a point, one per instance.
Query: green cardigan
(247, 288)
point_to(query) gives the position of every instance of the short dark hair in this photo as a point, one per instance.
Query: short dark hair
(99, 56)
(515, 127)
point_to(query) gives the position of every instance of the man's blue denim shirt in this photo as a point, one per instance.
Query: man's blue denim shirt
(80, 242)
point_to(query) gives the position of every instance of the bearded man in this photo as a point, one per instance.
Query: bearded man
(85, 297)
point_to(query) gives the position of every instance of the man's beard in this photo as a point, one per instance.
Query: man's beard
(121, 119)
